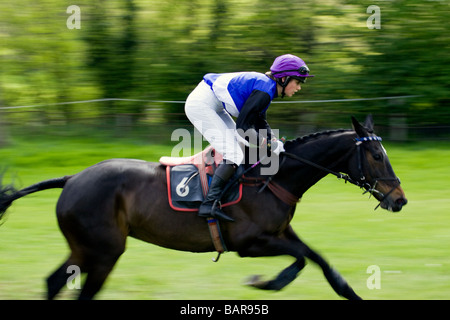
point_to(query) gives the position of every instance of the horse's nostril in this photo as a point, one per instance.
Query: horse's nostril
(401, 202)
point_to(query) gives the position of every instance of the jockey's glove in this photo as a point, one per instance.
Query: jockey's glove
(277, 147)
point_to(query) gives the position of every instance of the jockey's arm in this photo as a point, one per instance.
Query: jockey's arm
(253, 117)
(263, 124)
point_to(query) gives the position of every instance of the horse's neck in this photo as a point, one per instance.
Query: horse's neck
(330, 152)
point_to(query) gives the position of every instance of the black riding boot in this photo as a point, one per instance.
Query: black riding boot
(210, 206)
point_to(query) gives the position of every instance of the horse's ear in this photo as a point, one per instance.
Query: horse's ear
(359, 129)
(368, 123)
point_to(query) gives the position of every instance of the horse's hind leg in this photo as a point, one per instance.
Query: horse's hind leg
(58, 279)
(100, 258)
(96, 230)
(97, 275)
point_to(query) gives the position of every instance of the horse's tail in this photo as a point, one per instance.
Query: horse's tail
(8, 194)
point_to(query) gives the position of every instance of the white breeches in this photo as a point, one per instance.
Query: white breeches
(208, 116)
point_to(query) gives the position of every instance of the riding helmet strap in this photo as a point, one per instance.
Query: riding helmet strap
(284, 84)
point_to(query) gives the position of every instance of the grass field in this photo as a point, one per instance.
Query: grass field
(410, 248)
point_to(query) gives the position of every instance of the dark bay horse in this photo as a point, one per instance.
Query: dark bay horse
(104, 204)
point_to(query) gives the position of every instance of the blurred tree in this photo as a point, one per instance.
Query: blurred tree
(409, 56)
(110, 34)
(39, 63)
(220, 15)
(3, 128)
(159, 50)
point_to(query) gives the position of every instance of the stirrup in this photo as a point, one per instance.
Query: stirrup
(216, 212)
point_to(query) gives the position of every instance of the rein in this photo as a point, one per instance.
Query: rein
(339, 175)
(362, 180)
(290, 199)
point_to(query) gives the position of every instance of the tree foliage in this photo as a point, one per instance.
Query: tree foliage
(160, 50)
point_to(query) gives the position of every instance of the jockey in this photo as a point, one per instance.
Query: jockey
(245, 96)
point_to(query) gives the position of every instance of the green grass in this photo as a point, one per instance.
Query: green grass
(411, 248)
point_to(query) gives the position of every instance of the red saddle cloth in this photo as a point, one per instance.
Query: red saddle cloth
(182, 174)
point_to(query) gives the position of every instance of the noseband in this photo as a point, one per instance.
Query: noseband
(372, 189)
(361, 181)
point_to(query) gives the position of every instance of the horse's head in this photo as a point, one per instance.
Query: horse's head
(371, 167)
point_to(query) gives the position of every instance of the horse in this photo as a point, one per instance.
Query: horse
(102, 205)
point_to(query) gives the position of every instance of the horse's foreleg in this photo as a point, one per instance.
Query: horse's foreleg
(268, 245)
(336, 281)
(283, 279)
(290, 244)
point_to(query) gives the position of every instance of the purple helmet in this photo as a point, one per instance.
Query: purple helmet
(291, 66)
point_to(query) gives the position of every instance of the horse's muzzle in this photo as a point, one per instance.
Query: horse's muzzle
(394, 204)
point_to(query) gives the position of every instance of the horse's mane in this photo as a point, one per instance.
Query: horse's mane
(314, 136)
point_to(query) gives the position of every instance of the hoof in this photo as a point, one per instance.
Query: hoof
(255, 281)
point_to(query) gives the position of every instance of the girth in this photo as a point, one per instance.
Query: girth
(279, 191)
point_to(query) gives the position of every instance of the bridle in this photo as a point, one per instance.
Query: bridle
(361, 181)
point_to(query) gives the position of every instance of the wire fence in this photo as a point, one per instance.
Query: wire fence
(157, 119)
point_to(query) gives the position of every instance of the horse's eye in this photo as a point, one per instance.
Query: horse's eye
(377, 156)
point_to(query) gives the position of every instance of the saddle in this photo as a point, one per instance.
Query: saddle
(188, 180)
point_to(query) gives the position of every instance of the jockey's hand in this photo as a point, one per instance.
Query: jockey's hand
(277, 147)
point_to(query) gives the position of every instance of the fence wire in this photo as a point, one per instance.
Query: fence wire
(156, 119)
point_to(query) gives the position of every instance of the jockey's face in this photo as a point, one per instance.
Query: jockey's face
(292, 87)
